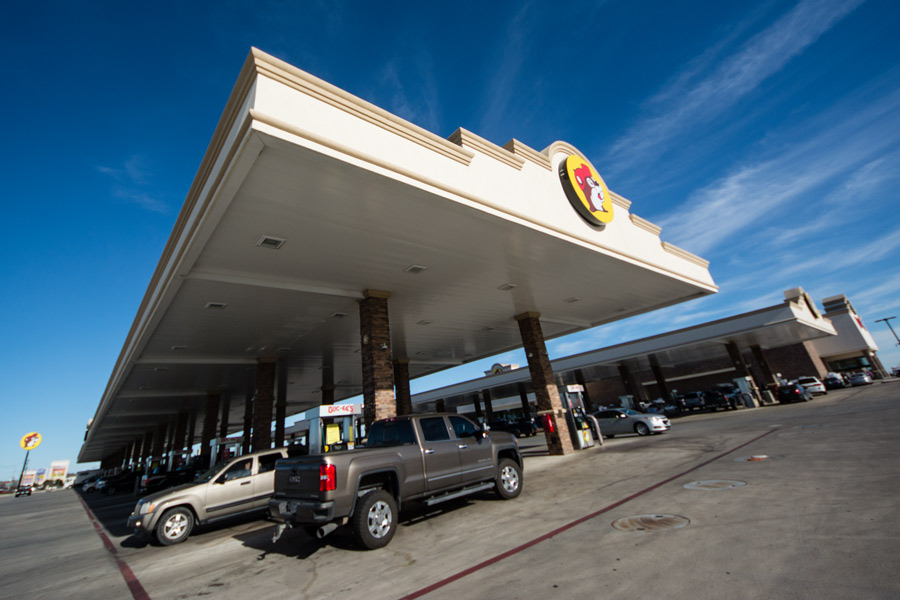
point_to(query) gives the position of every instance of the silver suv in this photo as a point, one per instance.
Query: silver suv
(234, 487)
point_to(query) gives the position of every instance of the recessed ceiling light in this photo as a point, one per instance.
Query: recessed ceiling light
(506, 287)
(284, 350)
(415, 269)
(216, 305)
(160, 369)
(179, 347)
(424, 322)
(487, 328)
(273, 243)
(338, 315)
(572, 299)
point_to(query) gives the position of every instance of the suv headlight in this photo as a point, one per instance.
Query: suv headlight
(146, 507)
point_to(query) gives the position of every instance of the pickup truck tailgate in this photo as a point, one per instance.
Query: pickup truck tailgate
(298, 477)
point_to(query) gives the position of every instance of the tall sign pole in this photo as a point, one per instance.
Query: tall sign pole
(887, 322)
(29, 442)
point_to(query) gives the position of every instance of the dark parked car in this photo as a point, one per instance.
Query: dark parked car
(834, 383)
(716, 399)
(693, 401)
(24, 490)
(793, 392)
(122, 482)
(519, 427)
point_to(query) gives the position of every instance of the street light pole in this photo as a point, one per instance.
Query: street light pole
(887, 322)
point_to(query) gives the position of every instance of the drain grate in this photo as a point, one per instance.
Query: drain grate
(714, 484)
(758, 458)
(650, 523)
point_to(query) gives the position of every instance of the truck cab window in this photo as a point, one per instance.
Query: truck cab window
(463, 427)
(391, 433)
(434, 429)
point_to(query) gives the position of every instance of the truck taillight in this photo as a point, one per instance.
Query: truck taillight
(326, 478)
(549, 426)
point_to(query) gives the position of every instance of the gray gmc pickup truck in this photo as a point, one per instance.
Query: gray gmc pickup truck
(428, 458)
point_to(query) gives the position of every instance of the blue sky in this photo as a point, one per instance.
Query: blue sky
(763, 136)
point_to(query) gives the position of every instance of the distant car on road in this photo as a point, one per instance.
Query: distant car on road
(833, 382)
(813, 385)
(860, 379)
(793, 392)
(23, 490)
(617, 421)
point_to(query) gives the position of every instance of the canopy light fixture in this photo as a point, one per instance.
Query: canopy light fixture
(179, 347)
(216, 305)
(268, 241)
(571, 300)
(424, 322)
(338, 315)
(414, 269)
(506, 287)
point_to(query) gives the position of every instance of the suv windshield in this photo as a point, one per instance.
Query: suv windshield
(208, 475)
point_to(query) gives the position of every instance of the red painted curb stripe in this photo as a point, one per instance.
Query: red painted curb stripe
(137, 590)
(567, 526)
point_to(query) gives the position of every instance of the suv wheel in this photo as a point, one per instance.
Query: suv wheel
(174, 526)
(375, 520)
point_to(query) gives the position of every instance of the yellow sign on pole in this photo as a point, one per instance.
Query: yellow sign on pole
(30, 441)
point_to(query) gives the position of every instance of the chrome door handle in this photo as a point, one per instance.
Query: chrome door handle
(463, 446)
(246, 483)
(429, 451)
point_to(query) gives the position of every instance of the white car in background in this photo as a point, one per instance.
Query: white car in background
(616, 421)
(813, 385)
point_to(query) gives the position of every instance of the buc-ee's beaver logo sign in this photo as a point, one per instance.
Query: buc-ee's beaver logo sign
(30, 441)
(587, 191)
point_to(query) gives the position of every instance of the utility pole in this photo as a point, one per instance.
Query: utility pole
(887, 322)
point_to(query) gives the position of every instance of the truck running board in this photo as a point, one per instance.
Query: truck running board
(459, 493)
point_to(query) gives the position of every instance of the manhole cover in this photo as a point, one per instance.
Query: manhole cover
(758, 458)
(650, 523)
(714, 484)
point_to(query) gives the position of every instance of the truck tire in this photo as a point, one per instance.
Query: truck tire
(375, 520)
(508, 484)
(174, 526)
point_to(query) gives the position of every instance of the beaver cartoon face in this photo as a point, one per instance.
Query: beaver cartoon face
(593, 191)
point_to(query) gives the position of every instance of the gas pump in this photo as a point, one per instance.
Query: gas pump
(330, 427)
(749, 393)
(575, 417)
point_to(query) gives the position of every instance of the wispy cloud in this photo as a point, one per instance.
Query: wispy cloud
(416, 103)
(130, 181)
(846, 143)
(692, 100)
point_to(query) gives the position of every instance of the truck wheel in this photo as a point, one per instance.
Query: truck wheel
(509, 479)
(174, 526)
(375, 520)
(641, 429)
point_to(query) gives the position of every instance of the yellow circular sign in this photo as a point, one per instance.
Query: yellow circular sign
(586, 191)
(30, 441)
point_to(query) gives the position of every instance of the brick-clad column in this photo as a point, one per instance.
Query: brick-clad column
(401, 382)
(488, 405)
(439, 406)
(377, 371)
(768, 376)
(209, 423)
(632, 385)
(223, 419)
(262, 405)
(548, 401)
(737, 359)
(523, 396)
(180, 432)
(159, 440)
(147, 451)
(248, 420)
(281, 402)
(660, 378)
(191, 433)
(589, 404)
(476, 402)
(327, 388)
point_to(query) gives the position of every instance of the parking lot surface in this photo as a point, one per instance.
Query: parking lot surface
(794, 501)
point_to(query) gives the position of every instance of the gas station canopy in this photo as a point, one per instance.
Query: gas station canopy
(307, 197)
